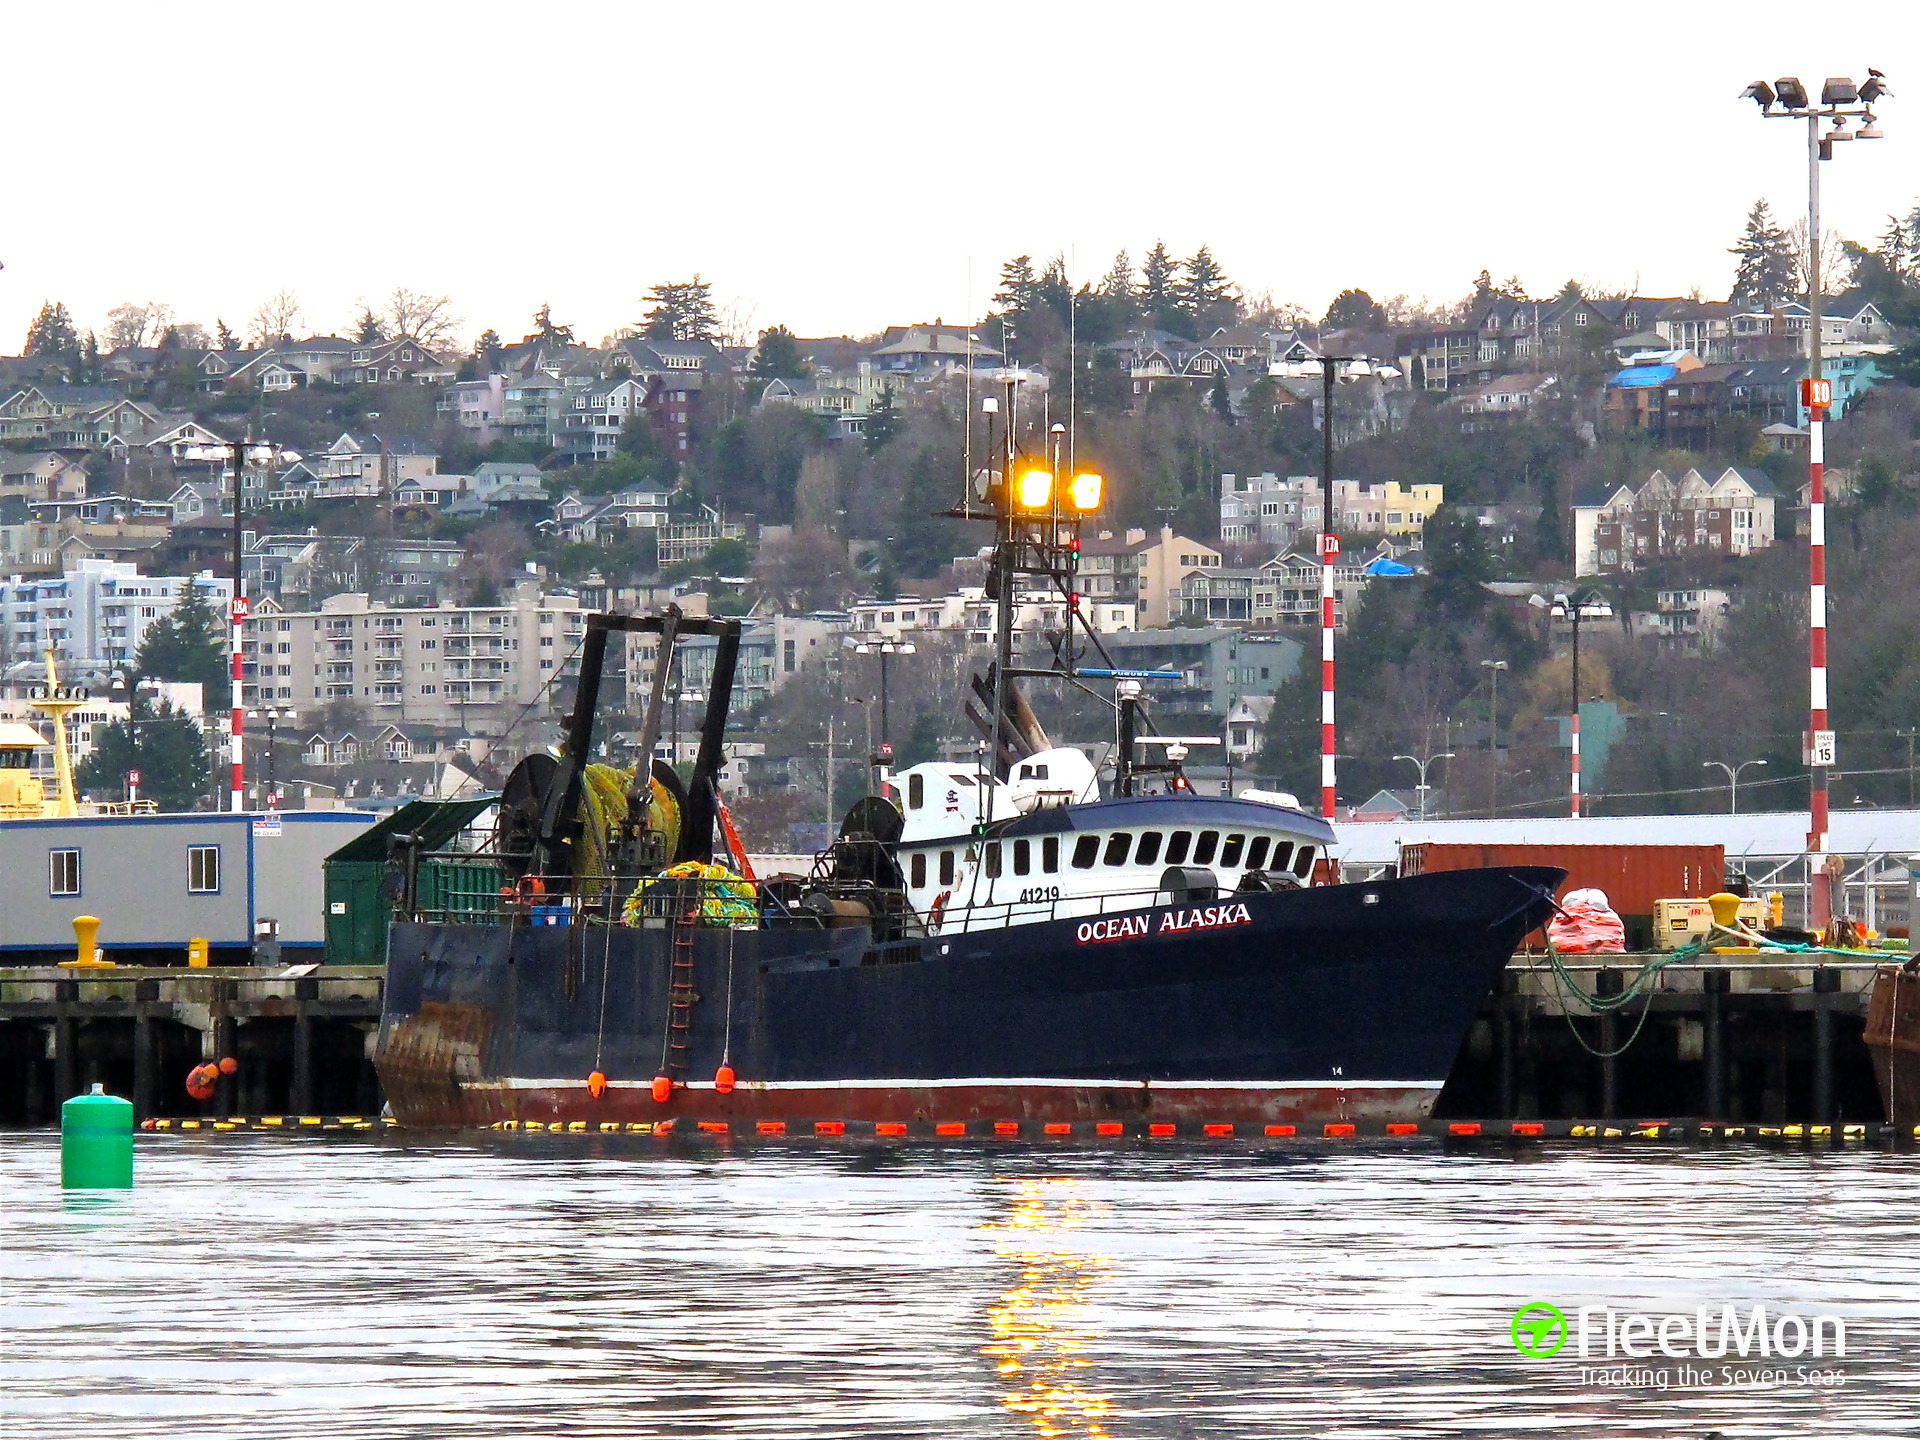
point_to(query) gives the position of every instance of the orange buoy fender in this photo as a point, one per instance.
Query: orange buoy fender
(200, 1081)
(597, 1084)
(662, 1088)
(723, 1079)
(229, 1065)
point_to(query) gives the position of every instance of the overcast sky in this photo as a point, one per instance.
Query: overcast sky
(838, 168)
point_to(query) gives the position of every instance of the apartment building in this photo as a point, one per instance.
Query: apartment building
(468, 667)
(969, 613)
(96, 615)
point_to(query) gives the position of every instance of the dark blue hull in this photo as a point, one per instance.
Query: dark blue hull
(1337, 1002)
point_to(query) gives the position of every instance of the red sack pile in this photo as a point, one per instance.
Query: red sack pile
(1586, 925)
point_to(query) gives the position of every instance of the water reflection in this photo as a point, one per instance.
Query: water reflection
(1043, 1327)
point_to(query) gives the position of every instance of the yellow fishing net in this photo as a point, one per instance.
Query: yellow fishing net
(603, 794)
(725, 898)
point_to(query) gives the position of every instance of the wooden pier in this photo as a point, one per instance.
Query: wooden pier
(1750, 1040)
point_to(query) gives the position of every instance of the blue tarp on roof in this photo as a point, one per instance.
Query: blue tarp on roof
(1386, 566)
(1642, 375)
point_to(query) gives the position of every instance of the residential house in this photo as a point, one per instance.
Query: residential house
(1485, 406)
(676, 373)
(224, 369)
(1140, 570)
(1246, 727)
(1617, 530)
(1636, 397)
(588, 431)
(369, 465)
(396, 362)
(1266, 510)
(49, 475)
(924, 352)
(1686, 620)
(477, 407)
(1218, 665)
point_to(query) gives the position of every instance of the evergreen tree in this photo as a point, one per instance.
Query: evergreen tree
(883, 421)
(544, 327)
(640, 442)
(1017, 285)
(187, 645)
(1203, 291)
(52, 333)
(1159, 275)
(163, 744)
(682, 310)
(1357, 310)
(1769, 269)
(1118, 283)
(368, 329)
(1458, 563)
(90, 373)
(1219, 399)
(778, 357)
(224, 337)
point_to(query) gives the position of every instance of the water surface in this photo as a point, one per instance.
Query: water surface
(256, 1287)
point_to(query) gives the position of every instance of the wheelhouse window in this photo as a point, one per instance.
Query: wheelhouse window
(1118, 844)
(63, 872)
(993, 859)
(946, 867)
(1303, 862)
(1149, 847)
(1086, 850)
(203, 869)
(916, 791)
(1050, 855)
(1231, 852)
(919, 867)
(1257, 852)
(1178, 844)
(1022, 856)
(1205, 846)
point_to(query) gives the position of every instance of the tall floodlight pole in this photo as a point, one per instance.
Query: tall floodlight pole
(1840, 100)
(1576, 609)
(1329, 552)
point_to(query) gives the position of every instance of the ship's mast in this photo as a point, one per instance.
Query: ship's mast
(58, 701)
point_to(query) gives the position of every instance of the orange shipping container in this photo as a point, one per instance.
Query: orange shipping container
(1634, 876)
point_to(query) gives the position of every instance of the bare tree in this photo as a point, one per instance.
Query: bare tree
(126, 326)
(279, 314)
(426, 318)
(1834, 265)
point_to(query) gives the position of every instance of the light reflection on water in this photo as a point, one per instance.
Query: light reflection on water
(254, 1288)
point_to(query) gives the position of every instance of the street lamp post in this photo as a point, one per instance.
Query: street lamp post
(1733, 779)
(1840, 100)
(1584, 607)
(884, 649)
(1422, 762)
(1493, 669)
(273, 717)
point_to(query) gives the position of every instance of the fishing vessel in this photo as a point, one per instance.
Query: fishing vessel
(1028, 944)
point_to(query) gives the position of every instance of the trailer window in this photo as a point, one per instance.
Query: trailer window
(1050, 855)
(203, 869)
(946, 867)
(1178, 844)
(1204, 847)
(916, 791)
(63, 872)
(1149, 850)
(1022, 856)
(919, 869)
(1257, 851)
(993, 859)
(1303, 862)
(1230, 852)
(1118, 845)
(1086, 850)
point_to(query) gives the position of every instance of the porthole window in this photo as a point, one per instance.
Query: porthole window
(1149, 848)
(1205, 846)
(1086, 850)
(1178, 844)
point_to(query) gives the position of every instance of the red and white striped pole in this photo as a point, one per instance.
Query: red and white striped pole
(237, 752)
(1329, 551)
(1818, 395)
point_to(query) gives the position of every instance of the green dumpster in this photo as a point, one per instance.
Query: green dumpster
(362, 892)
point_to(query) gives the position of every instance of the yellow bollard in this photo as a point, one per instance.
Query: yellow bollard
(86, 930)
(1726, 909)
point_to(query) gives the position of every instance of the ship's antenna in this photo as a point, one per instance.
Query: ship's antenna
(1073, 358)
(966, 418)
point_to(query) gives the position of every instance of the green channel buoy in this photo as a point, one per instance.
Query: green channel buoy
(96, 1142)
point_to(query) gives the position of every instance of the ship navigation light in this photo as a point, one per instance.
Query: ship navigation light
(1035, 491)
(1086, 491)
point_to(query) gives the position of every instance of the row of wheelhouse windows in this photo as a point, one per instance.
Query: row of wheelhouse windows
(1232, 851)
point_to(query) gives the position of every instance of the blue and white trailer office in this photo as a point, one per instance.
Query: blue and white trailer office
(157, 881)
